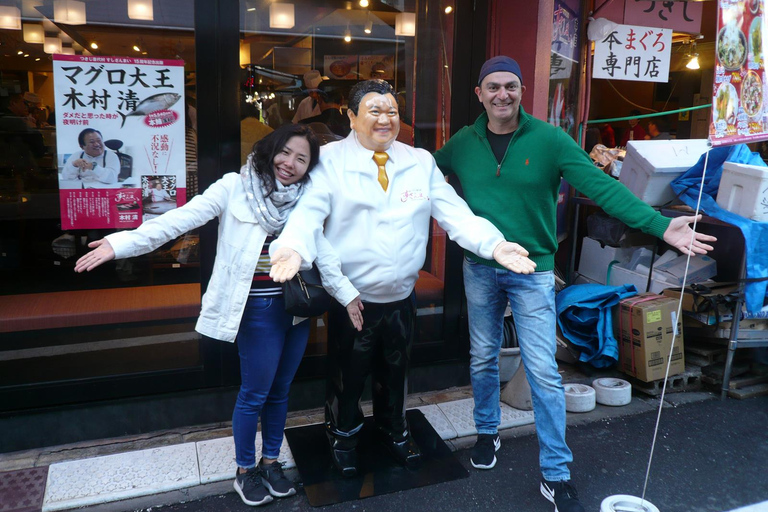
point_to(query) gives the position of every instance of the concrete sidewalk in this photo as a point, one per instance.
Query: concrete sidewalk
(175, 466)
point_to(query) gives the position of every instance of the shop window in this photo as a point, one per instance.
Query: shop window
(300, 59)
(111, 84)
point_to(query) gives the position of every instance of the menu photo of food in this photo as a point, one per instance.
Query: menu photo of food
(377, 66)
(756, 43)
(731, 46)
(340, 67)
(738, 107)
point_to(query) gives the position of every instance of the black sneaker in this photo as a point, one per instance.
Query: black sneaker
(250, 487)
(563, 495)
(484, 452)
(274, 479)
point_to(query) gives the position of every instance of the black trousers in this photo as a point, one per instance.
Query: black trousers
(382, 349)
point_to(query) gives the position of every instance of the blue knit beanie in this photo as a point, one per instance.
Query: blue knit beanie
(500, 63)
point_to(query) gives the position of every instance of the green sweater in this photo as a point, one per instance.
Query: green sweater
(519, 196)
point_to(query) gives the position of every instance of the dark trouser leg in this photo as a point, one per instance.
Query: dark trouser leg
(349, 361)
(390, 367)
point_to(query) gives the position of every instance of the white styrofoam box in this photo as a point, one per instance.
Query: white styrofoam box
(620, 276)
(651, 165)
(744, 190)
(700, 269)
(595, 259)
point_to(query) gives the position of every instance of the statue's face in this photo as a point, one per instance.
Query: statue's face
(377, 122)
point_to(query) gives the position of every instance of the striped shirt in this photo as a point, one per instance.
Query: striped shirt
(263, 285)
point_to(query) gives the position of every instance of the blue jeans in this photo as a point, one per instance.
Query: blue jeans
(270, 349)
(532, 298)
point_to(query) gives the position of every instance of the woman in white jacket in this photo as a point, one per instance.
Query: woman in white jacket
(241, 301)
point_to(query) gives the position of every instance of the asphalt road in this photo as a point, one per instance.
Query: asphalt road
(710, 456)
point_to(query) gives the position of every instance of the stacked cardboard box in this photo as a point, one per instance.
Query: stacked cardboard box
(644, 326)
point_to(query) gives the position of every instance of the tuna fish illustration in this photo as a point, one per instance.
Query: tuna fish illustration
(153, 103)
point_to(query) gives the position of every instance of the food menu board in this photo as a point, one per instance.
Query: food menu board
(739, 107)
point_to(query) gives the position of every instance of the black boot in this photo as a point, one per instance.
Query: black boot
(343, 454)
(404, 450)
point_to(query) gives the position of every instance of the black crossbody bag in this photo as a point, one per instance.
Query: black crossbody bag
(304, 294)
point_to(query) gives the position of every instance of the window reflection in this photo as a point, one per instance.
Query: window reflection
(299, 61)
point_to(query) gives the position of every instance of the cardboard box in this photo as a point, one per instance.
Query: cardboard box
(700, 269)
(651, 165)
(699, 302)
(620, 276)
(644, 327)
(744, 190)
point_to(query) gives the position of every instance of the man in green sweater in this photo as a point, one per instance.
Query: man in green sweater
(510, 166)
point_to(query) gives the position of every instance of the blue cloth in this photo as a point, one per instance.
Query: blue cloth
(584, 317)
(755, 233)
(270, 349)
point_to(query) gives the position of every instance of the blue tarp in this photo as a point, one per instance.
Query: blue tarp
(755, 233)
(584, 317)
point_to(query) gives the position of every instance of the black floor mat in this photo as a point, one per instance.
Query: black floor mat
(378, 473)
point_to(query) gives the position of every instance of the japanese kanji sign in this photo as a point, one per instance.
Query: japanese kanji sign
(739, 112)
(678, 16)
(634, 53)
(119, 128)
(565, 48)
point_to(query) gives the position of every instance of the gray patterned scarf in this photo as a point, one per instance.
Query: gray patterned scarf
(271, 212)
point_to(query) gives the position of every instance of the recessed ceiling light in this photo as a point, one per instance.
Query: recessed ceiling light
(94, 45)
(448, 10)
(136, 48)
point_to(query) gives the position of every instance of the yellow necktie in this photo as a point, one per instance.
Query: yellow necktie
(381, 160)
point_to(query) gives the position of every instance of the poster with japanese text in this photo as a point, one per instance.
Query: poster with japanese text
(564, 69)
(121, 139)
(738, 107)
(636, 53)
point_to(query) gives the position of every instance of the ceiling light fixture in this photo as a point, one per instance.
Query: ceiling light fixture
(694, 62)
(10, 17)
(368, 27)
(363, 3)
(68, 51)
(281, 16)
(448, 10)
(141, 10)
(19, 52)
(94, 45)
(34, 33)
(347, 36)
(69, 12)
(136, 48)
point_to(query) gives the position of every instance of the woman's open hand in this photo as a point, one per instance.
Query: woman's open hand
(102, 252)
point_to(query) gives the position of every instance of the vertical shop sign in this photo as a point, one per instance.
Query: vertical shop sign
(739, 112)
(634, 53)
(677, 16)
(120, 139)
(564, 69)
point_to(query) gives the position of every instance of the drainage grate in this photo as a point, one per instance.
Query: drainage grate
(23, 490)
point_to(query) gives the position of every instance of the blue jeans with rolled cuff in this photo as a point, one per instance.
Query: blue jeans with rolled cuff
(270, 349)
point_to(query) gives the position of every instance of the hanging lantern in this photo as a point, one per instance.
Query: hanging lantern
(52, 45)
(69, 12)
(10, 18)
(281, 15)
(34, 33)
(405, 24)
(141, 10)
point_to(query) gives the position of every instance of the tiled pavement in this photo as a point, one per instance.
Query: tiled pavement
(97, 480)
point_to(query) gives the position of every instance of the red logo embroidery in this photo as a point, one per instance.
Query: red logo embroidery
(526, 161)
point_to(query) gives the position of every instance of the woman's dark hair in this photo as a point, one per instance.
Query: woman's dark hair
(264, 151)
(362, 88)
(81, 137)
